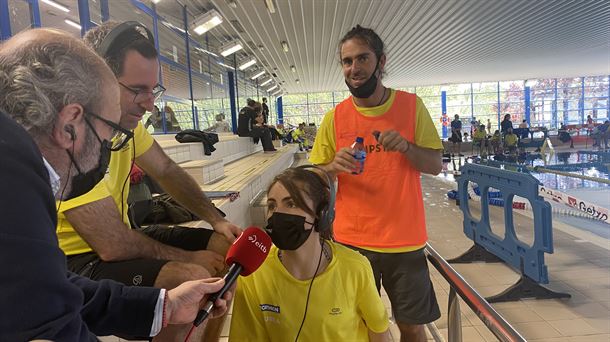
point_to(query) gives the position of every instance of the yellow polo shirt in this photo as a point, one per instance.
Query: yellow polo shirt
(116, 180)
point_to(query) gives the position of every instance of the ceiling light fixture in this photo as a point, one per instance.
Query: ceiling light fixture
(270, 89)
(293, 68)
(56, 5)
(226, 66)
(206, 51)
(206, 22)
(266, 82)
(72, 23)
(284, 46)
(230, 48)
(232, 3)
(258, 75)
(276, 92)
(155, 1)
(245, 65)
(297, 81)
(270, 6)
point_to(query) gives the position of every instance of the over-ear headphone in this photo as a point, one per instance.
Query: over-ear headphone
(122, 35)
(326, 214)
(70, 130)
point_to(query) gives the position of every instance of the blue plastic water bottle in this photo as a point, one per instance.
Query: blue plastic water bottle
(359, 154)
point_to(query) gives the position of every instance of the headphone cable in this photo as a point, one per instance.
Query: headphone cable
(309, 291)
(133, 161)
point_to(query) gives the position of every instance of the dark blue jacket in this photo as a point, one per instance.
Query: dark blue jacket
(39, 298)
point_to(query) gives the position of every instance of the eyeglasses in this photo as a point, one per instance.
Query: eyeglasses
(140, 95)
(120, 136)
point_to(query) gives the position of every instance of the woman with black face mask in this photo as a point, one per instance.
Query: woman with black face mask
(309, 288)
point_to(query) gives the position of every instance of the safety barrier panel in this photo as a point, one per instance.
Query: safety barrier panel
(529, 260)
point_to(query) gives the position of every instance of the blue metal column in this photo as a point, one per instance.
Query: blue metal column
(83, 16)
(280, 110)
(188, 65)
(471, 103)
(499, 110)
(581, 105)
(236, 79)
(444, 112)
(554, 108)
(231, 79)
(526, 95)
(608, 102)
(105, 10)
(34, 13)
(5, 20)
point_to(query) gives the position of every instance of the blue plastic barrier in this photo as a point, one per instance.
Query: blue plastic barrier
(529, 260)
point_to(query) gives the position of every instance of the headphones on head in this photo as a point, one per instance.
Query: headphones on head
(123, 35)
(327, 214)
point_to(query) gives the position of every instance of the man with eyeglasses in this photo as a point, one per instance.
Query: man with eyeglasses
(58, 108)
(94, 229)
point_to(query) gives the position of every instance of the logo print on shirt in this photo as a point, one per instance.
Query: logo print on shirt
(269, 307)
(335, 311)
(137, 280)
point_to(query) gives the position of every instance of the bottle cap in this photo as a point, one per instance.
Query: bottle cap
(360, 140)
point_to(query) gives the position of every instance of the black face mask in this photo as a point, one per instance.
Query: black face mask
(287, 231)
(367, 88)
(84, 182)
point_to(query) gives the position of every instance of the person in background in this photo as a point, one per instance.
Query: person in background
(564, 135)
(506, 124)
(247, 125)
(381, 218)
(220, 126)
(456, 135)
(298, 136)
(479, 139)
(602, 132)
(523, 124)
(171, 121)
(155, 120)
(496, 142)
(341, 305)
(488, 125)
(265, 111)
(58, 121)
(510, 142)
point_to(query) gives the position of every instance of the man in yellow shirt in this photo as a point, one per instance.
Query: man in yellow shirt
(93, 228)
(380, 211)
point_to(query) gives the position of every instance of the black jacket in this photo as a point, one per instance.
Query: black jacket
(245, 121)
(39, 298)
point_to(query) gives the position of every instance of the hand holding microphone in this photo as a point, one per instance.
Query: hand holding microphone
(245, 256)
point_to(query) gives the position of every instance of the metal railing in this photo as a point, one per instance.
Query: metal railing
(488, 315)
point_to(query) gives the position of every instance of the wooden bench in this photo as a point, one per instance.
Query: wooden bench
(205, 171)
(250, 176)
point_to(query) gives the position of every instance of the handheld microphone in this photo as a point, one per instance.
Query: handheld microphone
(245, 256)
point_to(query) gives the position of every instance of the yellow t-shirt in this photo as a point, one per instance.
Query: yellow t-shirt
(116, 178)
(426, 136)
(511, 139)
(343, 303)
(479, 135)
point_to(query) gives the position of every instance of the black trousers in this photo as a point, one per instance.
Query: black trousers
(264, 134)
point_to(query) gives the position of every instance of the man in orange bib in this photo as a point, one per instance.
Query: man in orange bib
(380, 211)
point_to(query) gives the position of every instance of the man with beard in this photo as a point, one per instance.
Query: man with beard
(388, 227)
(58, 123)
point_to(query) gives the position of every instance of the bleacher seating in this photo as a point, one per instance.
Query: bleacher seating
(236, 165)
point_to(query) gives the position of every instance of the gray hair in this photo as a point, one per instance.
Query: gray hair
(44, 70)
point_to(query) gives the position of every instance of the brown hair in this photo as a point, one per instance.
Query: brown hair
(299, 181)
